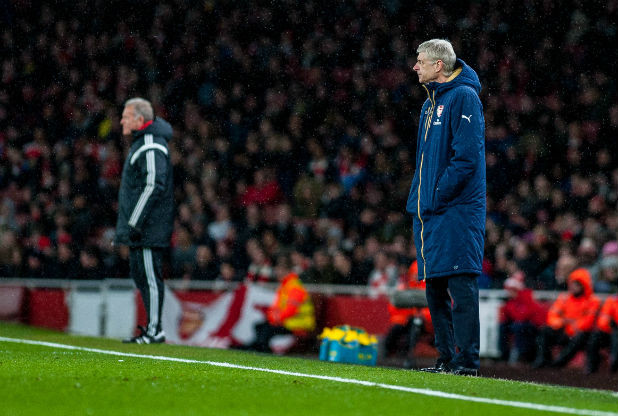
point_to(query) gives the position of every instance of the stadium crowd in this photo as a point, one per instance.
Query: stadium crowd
(294, 131)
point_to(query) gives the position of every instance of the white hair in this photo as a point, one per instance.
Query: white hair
(440, 49)
(142, 108)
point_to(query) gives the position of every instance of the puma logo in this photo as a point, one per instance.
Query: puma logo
(467, 118)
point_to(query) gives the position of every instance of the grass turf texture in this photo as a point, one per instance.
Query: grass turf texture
(43, 380)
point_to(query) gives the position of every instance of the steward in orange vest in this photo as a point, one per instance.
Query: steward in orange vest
(570, 321)
(605, 335)
(292, 310)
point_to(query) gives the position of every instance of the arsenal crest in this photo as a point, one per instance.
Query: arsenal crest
(190, 321)
(439, 110)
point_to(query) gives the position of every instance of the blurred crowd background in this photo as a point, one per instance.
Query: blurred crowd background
(295, 131)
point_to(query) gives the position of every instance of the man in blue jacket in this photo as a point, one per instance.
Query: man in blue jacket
(447, 201)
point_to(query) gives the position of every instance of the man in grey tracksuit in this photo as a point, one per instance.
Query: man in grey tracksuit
(146, 209)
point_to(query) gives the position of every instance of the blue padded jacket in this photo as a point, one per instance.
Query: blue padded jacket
(447, 196)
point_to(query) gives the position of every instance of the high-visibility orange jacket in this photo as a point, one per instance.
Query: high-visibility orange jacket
(292, 307)
(575, 314)
(400, 316)
(609, 313)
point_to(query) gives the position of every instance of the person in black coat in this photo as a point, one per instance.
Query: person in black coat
(146, 209)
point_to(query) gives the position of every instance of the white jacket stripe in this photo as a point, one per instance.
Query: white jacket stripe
(150, 182)
(145, 147)
(153, 291)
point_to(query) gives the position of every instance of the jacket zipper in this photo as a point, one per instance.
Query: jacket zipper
(420, 177)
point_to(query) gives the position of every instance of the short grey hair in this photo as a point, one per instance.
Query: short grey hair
(440, 49)
(142, 108)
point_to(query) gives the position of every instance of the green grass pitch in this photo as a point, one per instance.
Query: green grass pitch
(94, 376)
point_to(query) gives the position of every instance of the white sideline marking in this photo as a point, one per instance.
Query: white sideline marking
(426, 392)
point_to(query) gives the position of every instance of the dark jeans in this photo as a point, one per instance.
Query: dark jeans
(548, 337)
(403, 338)
(598, 340)
(264, 332)
(454, 306)
(524, 336)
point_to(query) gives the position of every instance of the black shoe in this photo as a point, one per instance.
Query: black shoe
(144, 338)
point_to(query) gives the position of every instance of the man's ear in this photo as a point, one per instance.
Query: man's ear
(439, 66)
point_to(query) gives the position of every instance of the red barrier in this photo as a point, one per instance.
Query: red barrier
(369, 314)
(47, 308)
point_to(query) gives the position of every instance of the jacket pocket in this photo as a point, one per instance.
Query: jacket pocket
(436, 204)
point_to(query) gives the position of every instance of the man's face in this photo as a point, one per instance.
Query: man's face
(280, 270)
(130, 122)
(425, 68)
(575, 288)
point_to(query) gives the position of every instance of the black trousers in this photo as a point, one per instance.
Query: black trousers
(548, 337)
(524, 336)
(598, 340)
(454, 307)
(146, 265)
(264, 332)
(408, 333)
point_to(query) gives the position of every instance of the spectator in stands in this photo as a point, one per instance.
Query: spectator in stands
(252, 225)
(283, 228)
(272, 246)
(183, 253)
(307, 194)
(89, 264)
(383, 278)
(343, 269)
(10, 255)
(605, 335)
(555, 276)
(520, 318)
(227, 273)
(205, 266)
(407, 323)
(321, 270)
(300, 263)
(220, 227)
(362, 261)
(607, 279)
(260, 270)
(265, 189)
(35, 266)
(587, 255)
(570, 321)
(292, 309)
(66, 265)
